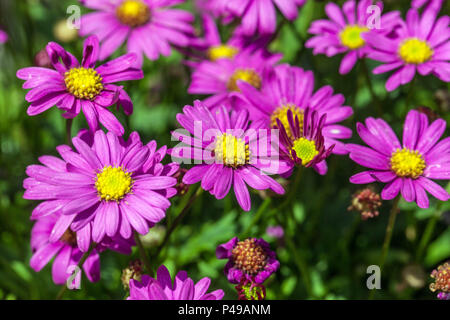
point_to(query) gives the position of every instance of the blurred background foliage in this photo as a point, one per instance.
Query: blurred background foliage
(334, 245)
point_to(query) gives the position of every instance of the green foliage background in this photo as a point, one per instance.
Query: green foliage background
(334, 244)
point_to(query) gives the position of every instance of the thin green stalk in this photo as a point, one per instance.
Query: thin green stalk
(69, 123)
(143, 254)
(257, 216)
(388, 237)
(409, 95)
(375, 99)
(428, 233)
(178, 219)
(61, 292)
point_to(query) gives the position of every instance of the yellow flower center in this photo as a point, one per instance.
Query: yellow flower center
(83, 83)
(415, 51)
(305, 150)
(113, 183)
(407, 163)
(231, 151)
(350, 36)
(221, 51)
(133, 13)
(247, 75)
(281, 113)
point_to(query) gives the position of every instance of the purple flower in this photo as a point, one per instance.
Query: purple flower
(343, 32)
(408, 167)
(3, 36)
(162, 288)
(422, 45)
(259, 16)
(250, 260)
(73, 88)
(105, 187)
(302, 142)
(148, 26)
(229, 151)
(213, 48)
(220, 78)
(291, 88)
(420, 3)
(275, 231)
(66, 251)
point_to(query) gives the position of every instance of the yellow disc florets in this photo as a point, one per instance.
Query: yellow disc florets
(133, 13)
(83, 83)
(221, 51)
(407, 163)
(305, 150)
(247, 75)
(231, 151)
(415, 51)
(113, 183)
(351, 38)
(281, 113)
(249, 257)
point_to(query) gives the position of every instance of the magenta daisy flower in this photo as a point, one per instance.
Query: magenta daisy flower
(66, 251)
(118, 185)
(408, 167)
(220, 78)
(3, 36)
(260, 16)
(342, 33)
(73, 87)
(162, 288)
(302, 143)
(213, 48)
(250, 259)
(291, 89)
(227, 151)
(148, 26)
(422, 45)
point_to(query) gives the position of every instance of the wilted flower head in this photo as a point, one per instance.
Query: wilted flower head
(366, 202)
(408, 167)
(73, 87)
(105, 187)
(147, 26)
(162, 288)
(441, 277)
(133, 271)
(250, 259)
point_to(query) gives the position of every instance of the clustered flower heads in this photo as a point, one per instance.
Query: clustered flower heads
(441, 277)
(259, 120)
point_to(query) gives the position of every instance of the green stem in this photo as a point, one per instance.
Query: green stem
(388, 237)
(178, 219)
(428, 233)
(410, 95)
(143, 254)
(375, 99)
(69, 123)
(256, 217)
(61, 292)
